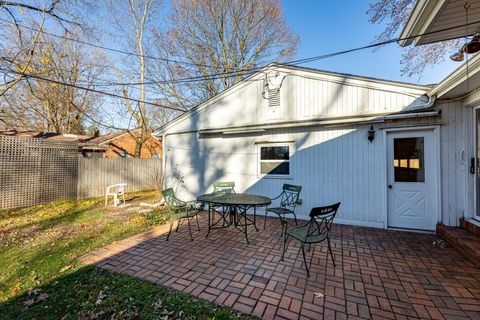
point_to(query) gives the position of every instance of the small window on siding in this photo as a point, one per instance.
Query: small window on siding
(123, 154)
(275, 160)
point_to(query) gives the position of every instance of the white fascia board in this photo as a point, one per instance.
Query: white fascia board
(456, 77)
(420, 19)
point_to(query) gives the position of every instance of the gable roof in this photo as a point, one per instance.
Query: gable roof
(344, 78)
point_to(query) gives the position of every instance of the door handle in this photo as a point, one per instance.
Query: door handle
(390, 186)
(472, 165)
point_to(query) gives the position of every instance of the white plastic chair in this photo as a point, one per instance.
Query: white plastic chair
(116, 191)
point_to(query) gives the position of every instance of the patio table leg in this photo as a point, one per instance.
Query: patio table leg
(245, 219)
(209, 219)
(255, 217)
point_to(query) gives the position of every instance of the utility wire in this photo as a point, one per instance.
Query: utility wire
(221, 75)
(105, 48)
(242, 72)
(27, 75)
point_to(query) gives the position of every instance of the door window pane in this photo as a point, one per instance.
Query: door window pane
(408, 159)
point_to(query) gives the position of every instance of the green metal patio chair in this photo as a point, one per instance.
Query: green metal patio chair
(314, 231)
(180, 210)
(224, 187)
(288, 202)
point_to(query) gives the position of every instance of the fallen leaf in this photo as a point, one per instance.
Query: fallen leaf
(34, 292)
(318, 295)
(28, 303)
(42, 297)
(101, 296)
(66, 268)
(158, 304)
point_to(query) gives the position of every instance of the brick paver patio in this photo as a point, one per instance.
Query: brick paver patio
(380, 274)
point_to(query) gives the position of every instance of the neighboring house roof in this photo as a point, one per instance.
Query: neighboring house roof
(110, 136)
(44, 135)
(83, 140)
(432, 20)
(342, 78)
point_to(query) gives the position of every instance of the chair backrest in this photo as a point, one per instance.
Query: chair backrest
(118, 188)
(289, 196)
(121, 188)
(224, 187)
(321, 219)
(170, 199)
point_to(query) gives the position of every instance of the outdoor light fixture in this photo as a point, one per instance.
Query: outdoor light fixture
(474, 45)
(371, 134)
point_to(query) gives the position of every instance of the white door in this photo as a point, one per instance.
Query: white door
(412, 179)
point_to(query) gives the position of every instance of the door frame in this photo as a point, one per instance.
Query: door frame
(475, 141)
(436, 136)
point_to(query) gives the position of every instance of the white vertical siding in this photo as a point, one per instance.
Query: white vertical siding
(453, 166)
(303, 95)
(331, 165)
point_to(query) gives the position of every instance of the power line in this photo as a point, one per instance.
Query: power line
(241, 72)
(106, 48)
(26, 75)
(249, 71)
(221, 75)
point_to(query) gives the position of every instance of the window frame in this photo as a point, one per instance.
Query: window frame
(291, 152)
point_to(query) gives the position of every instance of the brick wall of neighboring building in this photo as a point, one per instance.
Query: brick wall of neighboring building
(126, 144)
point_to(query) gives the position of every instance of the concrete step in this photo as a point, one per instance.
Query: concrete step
(466, 242)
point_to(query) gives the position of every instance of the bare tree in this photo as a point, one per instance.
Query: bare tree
(395, 13)
(135, 18)
(55, 106)
(64, 13)
(217, 36)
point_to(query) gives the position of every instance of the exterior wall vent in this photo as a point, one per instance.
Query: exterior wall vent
(274, 98)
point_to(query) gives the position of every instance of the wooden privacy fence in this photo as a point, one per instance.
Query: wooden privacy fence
(94, 175)
(36, 171)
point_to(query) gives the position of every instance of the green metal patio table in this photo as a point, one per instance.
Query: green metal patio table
(239, 204)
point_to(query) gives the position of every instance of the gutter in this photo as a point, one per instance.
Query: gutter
(319, 123)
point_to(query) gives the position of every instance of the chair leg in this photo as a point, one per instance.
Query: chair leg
(189, 228)
(178, 224)
(265, 220)
(170, 230)
(313, 252)
(330, 250)
(284, 246)
(295, 217)
(106, 200)
(198, 225)
(305, 259)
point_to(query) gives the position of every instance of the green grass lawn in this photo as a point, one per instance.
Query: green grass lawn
(39, 247)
